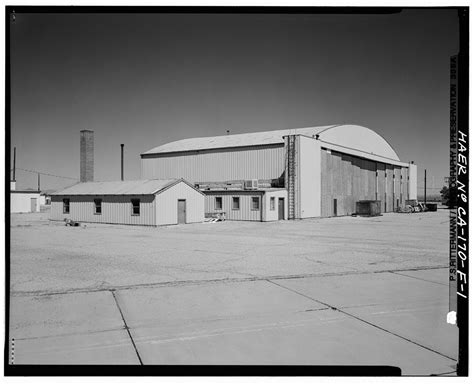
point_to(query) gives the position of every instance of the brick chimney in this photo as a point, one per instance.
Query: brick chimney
(87, 156)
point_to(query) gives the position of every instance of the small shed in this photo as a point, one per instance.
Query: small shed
(141, 202)
(263, 204)
(24, 201)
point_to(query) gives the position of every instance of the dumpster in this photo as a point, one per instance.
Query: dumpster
(432, 206)
(369, 208)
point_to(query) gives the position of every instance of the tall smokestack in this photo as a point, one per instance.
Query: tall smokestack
(87, 156)
(121, 161)
(14, 164)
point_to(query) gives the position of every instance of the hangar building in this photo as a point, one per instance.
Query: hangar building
(325, 170)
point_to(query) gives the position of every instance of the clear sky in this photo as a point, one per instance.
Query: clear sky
(148, 79)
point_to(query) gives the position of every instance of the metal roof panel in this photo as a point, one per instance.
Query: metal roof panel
(130, 187)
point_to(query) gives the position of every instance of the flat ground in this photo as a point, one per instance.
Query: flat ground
(336, 291)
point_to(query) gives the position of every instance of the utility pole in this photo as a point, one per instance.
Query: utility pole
(14, 163)
(121, 161)
(425, 186)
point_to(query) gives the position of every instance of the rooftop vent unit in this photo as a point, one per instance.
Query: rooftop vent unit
(251, 184)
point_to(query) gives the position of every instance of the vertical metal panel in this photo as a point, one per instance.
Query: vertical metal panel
(397, 173)
(167, 204)
(116, 209)
(245, 213)
(309, 177)
(404, 185)
(231, 164)
(381, 195)
(349, 179)
(412, 183)
(57, 209)
(324, 182)
(390, 202)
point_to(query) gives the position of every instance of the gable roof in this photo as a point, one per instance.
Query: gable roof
(129, 187)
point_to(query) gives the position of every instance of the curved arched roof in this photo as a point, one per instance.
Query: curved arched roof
(352, 137)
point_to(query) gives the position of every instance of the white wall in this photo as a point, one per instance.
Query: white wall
(167, 205)
(308, 166)
(21, 202)
(412, 184)
(272, 215)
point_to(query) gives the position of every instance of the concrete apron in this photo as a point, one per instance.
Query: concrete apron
(393, 319)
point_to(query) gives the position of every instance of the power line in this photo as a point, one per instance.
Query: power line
(44, 173)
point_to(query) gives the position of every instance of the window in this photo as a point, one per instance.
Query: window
(255, 203)
(135, 206)
(218, 203)
(97, 206)
(65, 206)
(272, 203)
(235, 203)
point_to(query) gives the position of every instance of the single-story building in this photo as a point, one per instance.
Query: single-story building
(24, 201)
(262, 204)
(140, 202)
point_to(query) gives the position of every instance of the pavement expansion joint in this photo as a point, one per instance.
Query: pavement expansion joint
(88, 332)
(362, 320)
(421, 279)
(126, 327)
(209, 281)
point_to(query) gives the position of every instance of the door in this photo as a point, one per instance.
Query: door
(181, 211)
(335, 208)
(33, 205)
(281, 208)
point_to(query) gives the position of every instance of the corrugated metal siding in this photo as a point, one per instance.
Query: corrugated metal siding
(167, 204)
(129, 187)
(381, 185)
(412, 183)
(348, 179)
(397, 172)
(115, 209)
(309, 186)
(390, 202)
(404, 186)
(250, 163)
(244, 214)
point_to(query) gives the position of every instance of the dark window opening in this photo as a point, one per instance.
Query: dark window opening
(97, 206)
(272, 203)
(218, 203)
(135, 206)
(65, 206)
(255, 203)
(235, 203)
